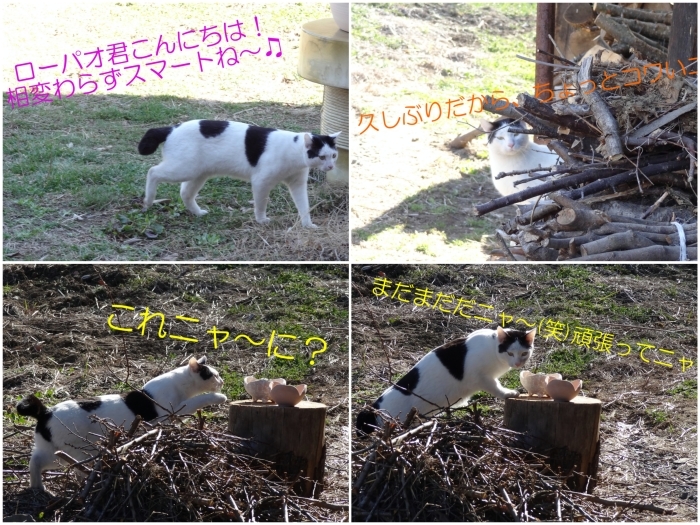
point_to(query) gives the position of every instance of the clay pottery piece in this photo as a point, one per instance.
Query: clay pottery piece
(258, 389)
(278, 381)
(560, 390)
(287, 395)
(341, 15)
(536, 384)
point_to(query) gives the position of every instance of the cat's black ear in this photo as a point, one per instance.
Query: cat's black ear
(501, 334)
(202, 360)
(530, 336)
(308, 140)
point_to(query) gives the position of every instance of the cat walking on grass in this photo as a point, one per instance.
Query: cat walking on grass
(198, 150)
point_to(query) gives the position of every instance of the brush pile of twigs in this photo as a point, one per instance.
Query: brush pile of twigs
(178, 473)
(444, 471)
(626, 133)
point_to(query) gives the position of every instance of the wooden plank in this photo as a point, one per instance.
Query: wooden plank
(684, 35)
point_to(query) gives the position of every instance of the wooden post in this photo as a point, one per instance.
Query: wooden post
(544, 76)
(684, 34)
(544, 27)
(566, 432)
(292, 437)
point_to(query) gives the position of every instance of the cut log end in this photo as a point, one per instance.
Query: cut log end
(567, 432)
(292, 437)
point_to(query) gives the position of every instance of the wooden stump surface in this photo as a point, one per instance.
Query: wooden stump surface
(292, 437)
(567, 432)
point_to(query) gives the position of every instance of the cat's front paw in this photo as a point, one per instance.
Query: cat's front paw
(310, 225)
(220, 398)
(264, 220)
(511, 393)
(200, 212)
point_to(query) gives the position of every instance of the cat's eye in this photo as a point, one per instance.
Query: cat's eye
(334, 155)
(322, 157)
(510, 354)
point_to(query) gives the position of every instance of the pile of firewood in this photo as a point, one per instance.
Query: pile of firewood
(626, 132)
(459, 471)
(174, 473)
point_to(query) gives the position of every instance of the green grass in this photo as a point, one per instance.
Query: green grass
(121, 386)
(48, 395)
(293, 370)
(499, 70)
(366, 28)
(656, 416)
(511, 379)
(425, 248)
(570, 363)
(233, 383)
(58, 178)
(13, 417)
(688, 389)
(295, 301)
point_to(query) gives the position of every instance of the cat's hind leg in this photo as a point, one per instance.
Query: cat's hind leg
(188, 191)
(297, 185)
(163, 172)
(152, 180)
(261, 194)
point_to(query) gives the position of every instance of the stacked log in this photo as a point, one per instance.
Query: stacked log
(625, 130)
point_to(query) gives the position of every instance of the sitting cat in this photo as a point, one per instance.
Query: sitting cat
(67, 426)
(198, 150)
(514, 151)
(450, 374)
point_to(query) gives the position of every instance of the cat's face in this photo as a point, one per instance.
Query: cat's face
(321, 151)
(515, 346)
(505, 142)
(211, 378)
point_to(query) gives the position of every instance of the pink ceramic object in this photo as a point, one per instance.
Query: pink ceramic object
(536, 384)
(259, 389)
(560, 390)
(278, 381)
(287, 395)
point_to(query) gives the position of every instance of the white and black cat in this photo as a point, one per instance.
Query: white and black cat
(198, 150)
(450, 374)
(514, 151)
(67, 426)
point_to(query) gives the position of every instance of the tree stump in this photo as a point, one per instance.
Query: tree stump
(292, 437)
(566, 432)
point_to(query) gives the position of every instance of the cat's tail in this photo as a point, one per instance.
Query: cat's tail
(32, 406)
(152, 139)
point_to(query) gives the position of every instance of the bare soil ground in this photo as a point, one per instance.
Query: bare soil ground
(417, 196)
(649, 423)
(57, 343)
